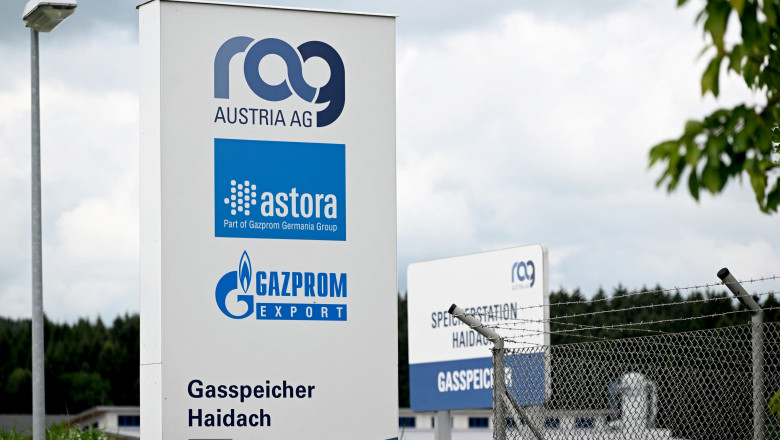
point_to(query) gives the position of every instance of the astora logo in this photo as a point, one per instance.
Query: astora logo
(523, 272)
(332, 93)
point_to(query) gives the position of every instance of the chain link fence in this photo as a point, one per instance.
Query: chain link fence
(693, 385)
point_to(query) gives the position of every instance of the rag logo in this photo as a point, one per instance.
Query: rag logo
(281, 295)
(523, 272)
(331, 93)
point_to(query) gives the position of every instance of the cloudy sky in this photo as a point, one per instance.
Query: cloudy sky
(518, 122)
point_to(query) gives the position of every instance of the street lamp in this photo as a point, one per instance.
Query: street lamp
(39, 16)
(43, 16)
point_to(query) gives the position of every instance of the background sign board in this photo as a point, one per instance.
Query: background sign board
(450, 365)
(268, 223)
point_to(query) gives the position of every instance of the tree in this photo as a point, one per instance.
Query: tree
(731, 142)
(86, 390)
(86, 364)
(19, 390)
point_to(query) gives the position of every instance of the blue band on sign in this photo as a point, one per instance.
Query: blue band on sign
(301, 312)
(468, 383)
(281, 190)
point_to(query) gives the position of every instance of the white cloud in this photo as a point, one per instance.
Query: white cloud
(89, 164)
(538, 131)
(16, 300)
(101, 230)
(671, 260)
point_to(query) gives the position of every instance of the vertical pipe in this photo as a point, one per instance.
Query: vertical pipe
(39, 398)
(499, 383)
(443, 425)
(757, 343)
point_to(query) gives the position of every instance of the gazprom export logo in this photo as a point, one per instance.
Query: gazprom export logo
(282, 295)
(279, 190)
(332, 93)
(523, 274)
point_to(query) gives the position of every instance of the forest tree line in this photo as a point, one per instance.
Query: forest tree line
(87, 364)
(90, 364)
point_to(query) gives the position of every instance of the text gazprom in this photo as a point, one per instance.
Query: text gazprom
(290, 283)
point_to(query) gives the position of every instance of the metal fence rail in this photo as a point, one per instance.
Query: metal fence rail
(692, 385)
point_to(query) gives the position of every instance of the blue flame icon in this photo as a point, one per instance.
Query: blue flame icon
(245, 272)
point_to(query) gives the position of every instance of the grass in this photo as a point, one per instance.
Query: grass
(12, 434)
(56, 432)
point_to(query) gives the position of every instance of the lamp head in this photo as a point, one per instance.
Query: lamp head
(45, 15)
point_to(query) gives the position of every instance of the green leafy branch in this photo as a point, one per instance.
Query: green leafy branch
(742, 140)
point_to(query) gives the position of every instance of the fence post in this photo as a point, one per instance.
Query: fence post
(757, 342)
(499, 382)
(499, 389)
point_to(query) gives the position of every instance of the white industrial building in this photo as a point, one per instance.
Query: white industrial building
(122, 422)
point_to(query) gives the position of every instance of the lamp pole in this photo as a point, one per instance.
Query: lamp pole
(43, 16)
(39, 397)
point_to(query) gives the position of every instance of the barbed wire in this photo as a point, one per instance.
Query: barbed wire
(613, 327)
(568, 333)
(558, 320)
(593, 327)
(653, 333)
(576, 330)
(619, 326)
(643, 292)
(572, 334)
(632, 308)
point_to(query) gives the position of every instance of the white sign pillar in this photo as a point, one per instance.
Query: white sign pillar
(268, 223)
